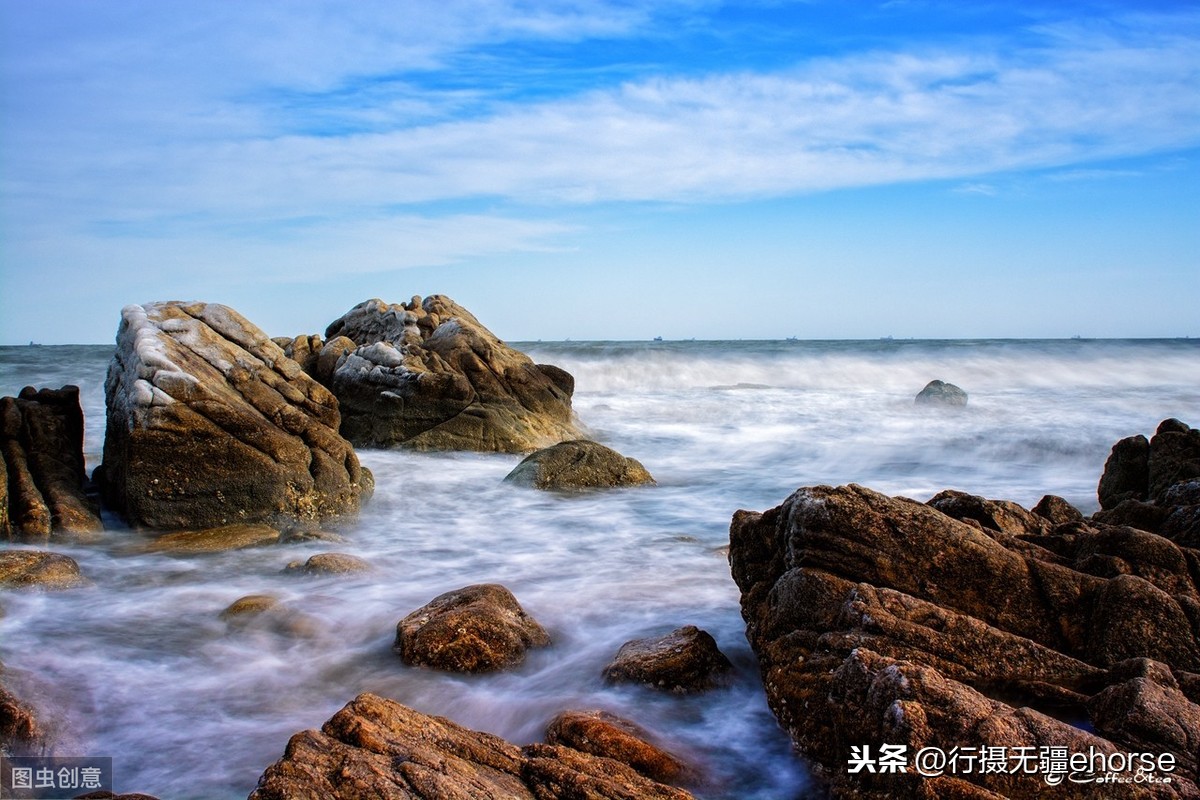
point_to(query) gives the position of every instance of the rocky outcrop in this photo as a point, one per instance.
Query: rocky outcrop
(378, 748)
(480, 628)
(940, 393)
(1155, 484)
(429, 376)
(609, 736)
(578, 464)
(21, 732)
(43, 485)
(880, 620)
(35, 568)
(685, 660)
(209, 423)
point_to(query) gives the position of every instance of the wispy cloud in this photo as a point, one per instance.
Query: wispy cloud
(261, 115)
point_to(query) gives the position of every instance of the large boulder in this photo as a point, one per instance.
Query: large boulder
(209, 424)
(578, 464)
(480, 628)
(428, 375)
(375, 747)
(880, 620)
(43, 484)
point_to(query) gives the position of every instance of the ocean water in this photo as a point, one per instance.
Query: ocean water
(142, 669)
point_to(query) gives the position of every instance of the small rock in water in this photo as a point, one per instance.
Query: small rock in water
(603, 734)
(685, 660)
(942, 394)
(37, 568)
(264, 612)
(329, 564)
(479, 628)
(578, 464)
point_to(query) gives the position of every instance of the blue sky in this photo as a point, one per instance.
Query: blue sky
(587, 169)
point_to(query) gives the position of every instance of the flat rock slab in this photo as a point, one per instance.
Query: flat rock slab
(480, 628)
(210, 424)
(578, 464)
(213, 540)
(37, 568)
(378, 748)
(685, 660)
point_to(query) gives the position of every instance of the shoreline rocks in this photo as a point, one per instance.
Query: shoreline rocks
(578, 464)
(429, 376)
(968, 622)
(379, 748)
(39, 569)
(209, 423)
(44, 490)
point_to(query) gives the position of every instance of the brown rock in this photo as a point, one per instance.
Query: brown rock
(480, 628)
(330, 564)
(428, 375)
(264, 612)
(36, 568)
(214, 540)
(1057, 510)
(43, 487)
(578, 464)
(209, 424)
(1002, 516)
(378, 748)
(603, 734)
(21, 733)
(304, 350)
(882, 620)
(1126, 473)
(685, 660)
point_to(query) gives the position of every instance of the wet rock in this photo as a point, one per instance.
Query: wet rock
(883, 620)
(329, 564)
(939, 393)
(36, 568)
(378, 748)
(480, 628)
(428, 375)
(209, 424)
(685, 660)
(44, 490)
(213, 540)
(603, 734)
(578, 464)
(21, 733)
(1057, 511)
(264, 612)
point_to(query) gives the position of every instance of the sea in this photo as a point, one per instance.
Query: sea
(140, 667)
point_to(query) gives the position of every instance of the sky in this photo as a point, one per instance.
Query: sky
(606, 169)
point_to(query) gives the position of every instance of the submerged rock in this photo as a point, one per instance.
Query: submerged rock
(941, 393)
(214, 540)
(578, 464)
(685, 660)
(209, 423)
(329, 564)
(428, 375)
(267, 613)
(880, 620)
(36, 568)
(480, 628)
(43, 485)
(378, 748)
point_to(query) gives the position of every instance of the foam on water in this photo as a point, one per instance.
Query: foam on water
(149, 674)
